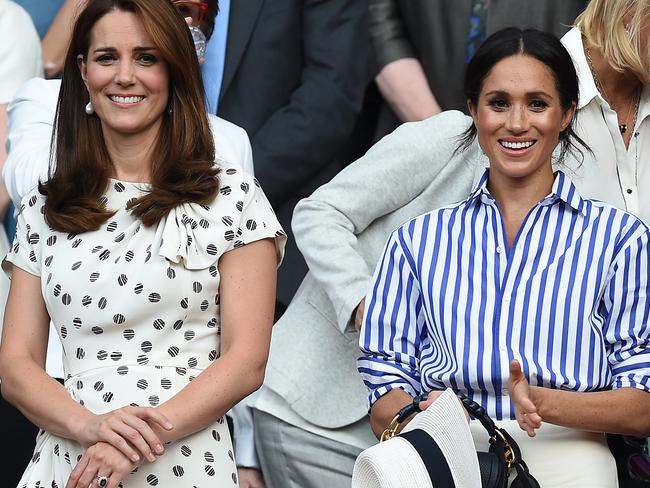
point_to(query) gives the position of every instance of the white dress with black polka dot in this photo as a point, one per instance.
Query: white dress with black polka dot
(137, 311)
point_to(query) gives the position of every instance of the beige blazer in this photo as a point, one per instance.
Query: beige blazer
(341, 230)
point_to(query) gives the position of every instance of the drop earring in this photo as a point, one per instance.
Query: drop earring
(89, 108)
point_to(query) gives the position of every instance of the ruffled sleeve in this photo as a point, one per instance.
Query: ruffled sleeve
(25, 252)
(198, 235)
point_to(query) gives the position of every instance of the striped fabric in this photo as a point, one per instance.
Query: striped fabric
(450, 305)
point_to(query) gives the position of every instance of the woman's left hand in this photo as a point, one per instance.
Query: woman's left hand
(522, 396)
(101, 459)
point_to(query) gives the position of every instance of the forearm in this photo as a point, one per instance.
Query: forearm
(622, 411)
(211, 394)
(26, 388)
(405, 87)
(56, 40)
(385, 409)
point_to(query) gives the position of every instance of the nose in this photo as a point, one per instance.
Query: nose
(125, 73)
(517, 119)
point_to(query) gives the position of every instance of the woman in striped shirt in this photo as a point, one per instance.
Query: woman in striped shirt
(529, 299)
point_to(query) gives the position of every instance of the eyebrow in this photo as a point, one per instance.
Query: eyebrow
(533, 94)
(113, 50)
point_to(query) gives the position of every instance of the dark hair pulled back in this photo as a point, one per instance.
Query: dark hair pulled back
(542, 46)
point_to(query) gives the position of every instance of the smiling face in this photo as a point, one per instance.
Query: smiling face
(518, 118)
(126, 77)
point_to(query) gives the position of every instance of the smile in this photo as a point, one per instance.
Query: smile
(517, 145)
(118, 99)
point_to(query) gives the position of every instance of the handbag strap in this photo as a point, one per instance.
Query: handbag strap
(498, 435)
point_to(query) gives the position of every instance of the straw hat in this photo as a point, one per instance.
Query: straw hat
(412, 460)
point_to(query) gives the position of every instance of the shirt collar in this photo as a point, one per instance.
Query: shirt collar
(563, 189)
(572, 41)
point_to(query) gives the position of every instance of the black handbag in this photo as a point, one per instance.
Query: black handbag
(503, 456)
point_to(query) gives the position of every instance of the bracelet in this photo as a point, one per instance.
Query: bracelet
(404, 413)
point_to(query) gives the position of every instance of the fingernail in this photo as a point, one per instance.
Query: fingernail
(159, 448)
(135, 458)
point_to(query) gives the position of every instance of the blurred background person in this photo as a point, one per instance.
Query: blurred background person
(610, 47)
(421, 48)
(42, 13)
(20, 59)
(293, 76)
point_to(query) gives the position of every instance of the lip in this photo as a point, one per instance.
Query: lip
(125, 95)
(516, 153)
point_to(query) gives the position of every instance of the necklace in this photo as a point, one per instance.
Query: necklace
(633, 110)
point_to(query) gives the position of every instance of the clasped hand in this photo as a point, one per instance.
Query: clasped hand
(116, 442)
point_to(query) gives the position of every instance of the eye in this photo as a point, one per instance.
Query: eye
(498, 103)
(538, 104)
(147, 59)
(105, 58)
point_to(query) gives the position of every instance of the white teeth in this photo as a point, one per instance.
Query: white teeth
(517, 145)
(117, 99)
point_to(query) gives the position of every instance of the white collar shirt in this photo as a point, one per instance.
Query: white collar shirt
(614, 174)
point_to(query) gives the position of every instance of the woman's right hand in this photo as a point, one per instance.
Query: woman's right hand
(127, 429)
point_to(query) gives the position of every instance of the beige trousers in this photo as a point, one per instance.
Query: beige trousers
(559, 457)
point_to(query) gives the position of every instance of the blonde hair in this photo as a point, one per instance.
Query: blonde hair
(603, 24)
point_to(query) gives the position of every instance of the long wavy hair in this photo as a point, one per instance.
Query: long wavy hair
(182, 167)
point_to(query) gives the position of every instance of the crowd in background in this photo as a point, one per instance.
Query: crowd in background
(315, 85)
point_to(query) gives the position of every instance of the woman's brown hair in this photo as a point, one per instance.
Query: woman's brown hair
(182, 168)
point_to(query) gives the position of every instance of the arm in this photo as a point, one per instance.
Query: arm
(31, 115)
(24, 342)
(322, 110)
(248, 276)
(57, 39)
(4, 196)
(404, 86)
(345, 207)
(392, 333)
(400, 79)
(623, 409)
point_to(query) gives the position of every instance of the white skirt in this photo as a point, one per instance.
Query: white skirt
(559, 457)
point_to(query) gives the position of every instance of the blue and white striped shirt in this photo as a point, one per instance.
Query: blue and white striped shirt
(450, 305)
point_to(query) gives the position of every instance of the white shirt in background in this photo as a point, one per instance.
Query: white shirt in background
(613, 174)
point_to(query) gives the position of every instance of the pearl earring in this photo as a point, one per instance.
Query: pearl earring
(89, 108)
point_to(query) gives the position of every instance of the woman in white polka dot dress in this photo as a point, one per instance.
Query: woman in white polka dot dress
(156, 266)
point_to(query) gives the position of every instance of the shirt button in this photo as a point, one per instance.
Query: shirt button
(506, 298)
(629, 191)
(499, 249)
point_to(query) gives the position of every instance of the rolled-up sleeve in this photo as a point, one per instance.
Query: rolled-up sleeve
(627, 309)
(393, 330)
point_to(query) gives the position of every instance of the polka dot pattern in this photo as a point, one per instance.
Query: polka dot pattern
(137, 332)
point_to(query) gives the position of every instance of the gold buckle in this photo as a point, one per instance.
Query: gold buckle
(391, 430)
(509, 454)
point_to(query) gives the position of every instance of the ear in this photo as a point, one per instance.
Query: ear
(472, 110)
(567, 116)
(81, 63)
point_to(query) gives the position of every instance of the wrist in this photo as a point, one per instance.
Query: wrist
(76, 426)
(537, 396)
